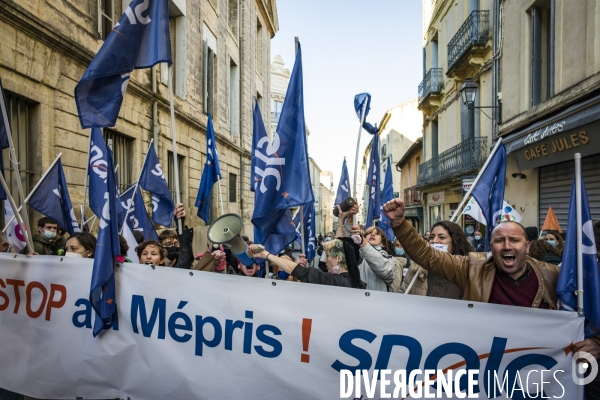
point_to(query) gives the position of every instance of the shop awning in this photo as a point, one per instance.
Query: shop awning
(559, 136)
(574, 116)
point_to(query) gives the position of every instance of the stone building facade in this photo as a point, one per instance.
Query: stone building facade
(221, 53)
(460, 42)
(550, 94)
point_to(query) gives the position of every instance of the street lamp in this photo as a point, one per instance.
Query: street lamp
(468, 92)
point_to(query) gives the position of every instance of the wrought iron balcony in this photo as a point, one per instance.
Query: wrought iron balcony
(432, 84)
(474, 32)
(462, 159)
(412, 196)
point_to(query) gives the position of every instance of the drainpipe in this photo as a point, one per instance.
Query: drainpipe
(495, 75)
(154, 111)
(240, 111)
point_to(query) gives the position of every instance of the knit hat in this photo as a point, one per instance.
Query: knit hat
(532, 233)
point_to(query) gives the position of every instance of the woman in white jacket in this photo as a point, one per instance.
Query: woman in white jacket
(377, 268)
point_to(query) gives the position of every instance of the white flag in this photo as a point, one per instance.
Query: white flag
(131, 242)
(474, 211)
(13, 232)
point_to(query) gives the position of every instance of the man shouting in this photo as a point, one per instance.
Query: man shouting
(508, 277)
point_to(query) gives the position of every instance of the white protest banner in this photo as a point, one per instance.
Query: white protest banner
(197, 335)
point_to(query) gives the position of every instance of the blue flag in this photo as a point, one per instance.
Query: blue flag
(309, 230)
(139, 40)
(98, 172)
(359, 106)
(374, 183)
(210, 175)
(52, 199)
(567, 279)
(281, 165)
(3, 137)
(102, 287)
(489, 191)
(280, 237)
(152, 179)
(283, 231)
(387, 195)
(138, 218)
(259, 135)
(343, 189)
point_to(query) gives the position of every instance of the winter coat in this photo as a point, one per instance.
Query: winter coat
(429, 284)
(377, 268)
(473, 274)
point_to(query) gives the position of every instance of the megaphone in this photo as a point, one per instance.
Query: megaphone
(345, 205)
(226, 231)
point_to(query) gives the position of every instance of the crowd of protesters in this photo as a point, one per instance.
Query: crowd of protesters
(521, 269)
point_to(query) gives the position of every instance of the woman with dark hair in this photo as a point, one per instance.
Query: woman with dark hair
(152, 253)
(544, 251)
(124, 249)
(445, 236)
(81, 244)
(341, 253)
(555, 240)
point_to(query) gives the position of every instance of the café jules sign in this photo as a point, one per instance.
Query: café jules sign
(556, 148)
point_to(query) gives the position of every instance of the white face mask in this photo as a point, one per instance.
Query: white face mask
(49, 234)
(441, 247)
(477, 237)
(73, 254)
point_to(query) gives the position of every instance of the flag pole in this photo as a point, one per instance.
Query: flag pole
(296, 42)
(481, 171)
(220, 196)
(412, 282)
(85, 183)
(18, 216)
(362, 121)
(136, 186)
(302, 229)
(13, 160)
(33, 190)
(174, 139)
(579, 235)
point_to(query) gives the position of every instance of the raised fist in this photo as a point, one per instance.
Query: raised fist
(394, 209)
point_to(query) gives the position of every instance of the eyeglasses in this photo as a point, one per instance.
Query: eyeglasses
(171, 244)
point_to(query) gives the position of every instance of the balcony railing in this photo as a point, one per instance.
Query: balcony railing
(475, 31)
(432, 84)
(459, 160)
(412, 196)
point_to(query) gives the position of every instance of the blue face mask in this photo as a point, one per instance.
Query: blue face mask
(399, 252)
(551, 243)
(377, 247)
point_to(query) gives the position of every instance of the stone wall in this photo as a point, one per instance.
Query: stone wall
(45, 48)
